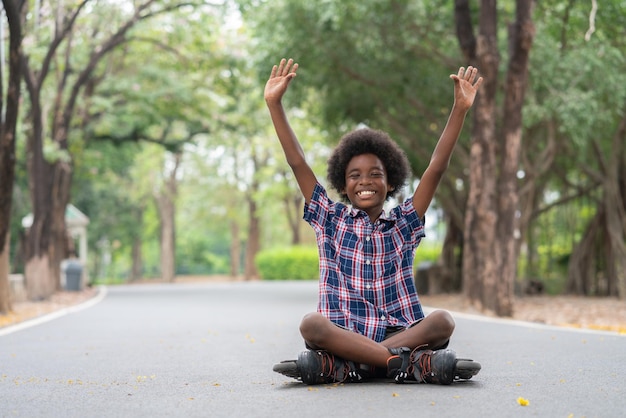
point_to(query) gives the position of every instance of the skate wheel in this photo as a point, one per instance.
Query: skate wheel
(465, 369)
(287, 368)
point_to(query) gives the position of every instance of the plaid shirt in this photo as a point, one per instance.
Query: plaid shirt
(366, 270)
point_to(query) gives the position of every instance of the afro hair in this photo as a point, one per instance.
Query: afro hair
(368, 141)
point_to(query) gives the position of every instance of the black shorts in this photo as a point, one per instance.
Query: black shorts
(395, 329)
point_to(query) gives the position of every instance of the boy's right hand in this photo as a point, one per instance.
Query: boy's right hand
(279, 80)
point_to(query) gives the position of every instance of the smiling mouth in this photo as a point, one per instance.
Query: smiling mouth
(366, 193)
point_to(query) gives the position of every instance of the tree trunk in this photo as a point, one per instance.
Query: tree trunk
(166, 202)
(615, 203)
(10, 105)
(5, 285)
(254, 222)
(168, 269)
(580, 267)
(597, 265)
(293, 207)
(521, 35)
(136, 269)
(450, 261)
(491, 250)
(235, 249)
(479, 264)
(254, 239)
(50, 186)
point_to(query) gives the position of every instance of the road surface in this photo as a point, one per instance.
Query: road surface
(207, 350)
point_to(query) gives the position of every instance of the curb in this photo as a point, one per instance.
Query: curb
(102, 292)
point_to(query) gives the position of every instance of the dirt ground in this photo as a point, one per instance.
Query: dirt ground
(608, 314)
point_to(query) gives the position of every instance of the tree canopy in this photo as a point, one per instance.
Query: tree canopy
(115, 97)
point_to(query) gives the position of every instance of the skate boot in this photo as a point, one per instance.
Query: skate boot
(428, 366)
(315, 367)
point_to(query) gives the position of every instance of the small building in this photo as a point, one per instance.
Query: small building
(76, 223)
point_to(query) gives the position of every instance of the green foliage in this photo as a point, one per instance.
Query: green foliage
(377, 62)
(555, 233)
(294, 263)
(381, 63)
(553, 263)
(576, 100)
(205, 263)
(302, 263)
(109, 281)
(427, 252)
(201, 247)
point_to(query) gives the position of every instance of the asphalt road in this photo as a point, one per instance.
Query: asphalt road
(207, 350)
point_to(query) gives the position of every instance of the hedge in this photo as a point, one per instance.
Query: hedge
(301, 263)
(293, 263)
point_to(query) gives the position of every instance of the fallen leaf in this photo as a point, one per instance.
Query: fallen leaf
(523, 402)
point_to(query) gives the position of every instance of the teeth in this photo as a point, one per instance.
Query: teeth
(367, 193)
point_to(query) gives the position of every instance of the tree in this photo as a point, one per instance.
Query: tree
(50, 162)
(165, 115)
(387, 68)
(576, 109)
(106, 188)
(239, 131)
(171, 102)
(379, 63)
(9, 108)
(491, 229)
(162, 170)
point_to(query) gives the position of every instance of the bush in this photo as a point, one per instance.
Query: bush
(427, 253)
(302, 263)
(293, 263)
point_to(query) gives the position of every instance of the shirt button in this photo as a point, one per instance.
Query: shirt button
(367, 238)
(367, 262)
(383, 317)
(368, 286)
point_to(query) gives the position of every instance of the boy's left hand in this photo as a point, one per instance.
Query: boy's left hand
(465, 86)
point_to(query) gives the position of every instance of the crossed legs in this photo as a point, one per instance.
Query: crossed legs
(321, 334)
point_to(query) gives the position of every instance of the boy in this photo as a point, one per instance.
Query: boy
(369, 319)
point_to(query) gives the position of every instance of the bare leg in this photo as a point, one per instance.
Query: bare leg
(320, 333)
(434, 331)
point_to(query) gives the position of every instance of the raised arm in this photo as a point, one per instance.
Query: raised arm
(465, 87)
(275, 88)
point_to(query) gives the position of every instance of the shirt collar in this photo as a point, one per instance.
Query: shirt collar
(384, 217)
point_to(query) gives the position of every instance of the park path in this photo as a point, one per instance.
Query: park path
(207, 349)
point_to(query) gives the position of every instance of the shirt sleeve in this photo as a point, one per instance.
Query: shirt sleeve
(317, 211)
(407, 212)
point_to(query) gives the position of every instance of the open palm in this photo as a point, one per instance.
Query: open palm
(279, 80)
(465, 86)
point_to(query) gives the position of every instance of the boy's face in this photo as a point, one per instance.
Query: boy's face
(366, 184)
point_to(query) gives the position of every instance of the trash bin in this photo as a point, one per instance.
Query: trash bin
(73, 275)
